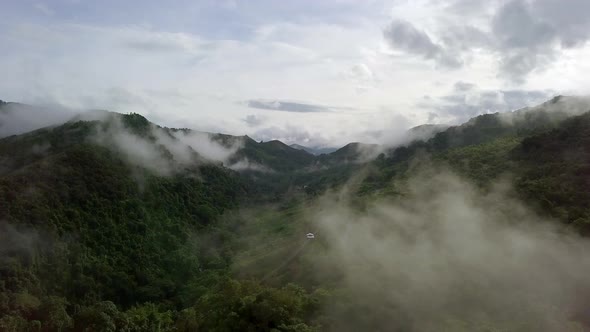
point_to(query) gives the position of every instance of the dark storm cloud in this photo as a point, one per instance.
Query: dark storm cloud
(285, 106)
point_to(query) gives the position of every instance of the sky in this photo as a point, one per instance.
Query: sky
(317, 73)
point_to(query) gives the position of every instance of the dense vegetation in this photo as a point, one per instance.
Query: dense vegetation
(545, 154)
(555, 171)
(92, 242)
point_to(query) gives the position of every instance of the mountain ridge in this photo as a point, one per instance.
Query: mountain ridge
(127, 225)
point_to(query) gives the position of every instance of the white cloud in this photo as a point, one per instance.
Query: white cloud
(450, 257)
(43, 8)
(190, 78)
(164, 150)
(524, 36)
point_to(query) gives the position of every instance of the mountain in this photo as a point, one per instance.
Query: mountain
(131, 220)
(424, 132)
(353, 152)
(111, 222)
(17, 118)
(555, 170)
(315, 151)
(274, 155)
(517, 143)
(520, 122)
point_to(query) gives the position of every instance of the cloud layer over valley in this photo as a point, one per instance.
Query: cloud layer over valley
(448, 256)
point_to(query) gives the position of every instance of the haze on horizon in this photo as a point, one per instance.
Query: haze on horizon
(307, 72)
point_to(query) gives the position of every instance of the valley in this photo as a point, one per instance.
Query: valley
(110, 222)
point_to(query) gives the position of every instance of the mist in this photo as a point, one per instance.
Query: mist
(396, 137)
(18, 118)
(164, 150)
(555, 110)
(448, 257)
(19, 242)
(245, 164)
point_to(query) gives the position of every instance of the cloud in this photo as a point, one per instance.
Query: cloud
(206, 145)
(447, 256)
(393, 131)
(524, 36)
(20, 118)
(162, 42)
(285, 106)
(525, 42)
(467, 101)
(289, 135)
(514, 26)
(467, 7)
(530, 35)
(44, 8)
(362, 72)
(464, 37)
(362, 76)
(254, 120)
(163, 150)
(15, 240)
(403, 35)
(461, 86)
(179, 66)
(247, 165)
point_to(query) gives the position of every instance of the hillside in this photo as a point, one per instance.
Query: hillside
(119, 214)
(17, 118)
(315, 151)
(82, 225)
(110, 222)
(275, 155)
(488, 128)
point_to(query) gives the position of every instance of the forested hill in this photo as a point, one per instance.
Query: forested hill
(95, 125)
(543, 149)
(82, 224)
(111, 223)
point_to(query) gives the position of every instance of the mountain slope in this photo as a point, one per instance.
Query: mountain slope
(274, 155)
(314, 151)
(96, 227)
(138, 222)
(17, 118)
(556, 170)
(543, 153)
(115, 223)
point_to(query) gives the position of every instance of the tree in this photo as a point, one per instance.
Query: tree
(53, 314)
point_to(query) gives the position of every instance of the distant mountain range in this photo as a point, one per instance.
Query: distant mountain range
(314, 150)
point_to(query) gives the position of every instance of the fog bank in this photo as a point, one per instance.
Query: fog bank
(448, 257)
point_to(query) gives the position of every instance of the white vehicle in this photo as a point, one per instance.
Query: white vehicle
(310, 236)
